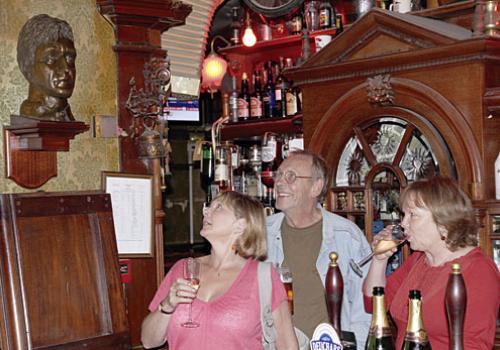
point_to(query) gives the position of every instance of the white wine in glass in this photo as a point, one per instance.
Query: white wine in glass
(192, 274)
(384, 245)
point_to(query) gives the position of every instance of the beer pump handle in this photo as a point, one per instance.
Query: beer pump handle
(456, 303)
(334, 287)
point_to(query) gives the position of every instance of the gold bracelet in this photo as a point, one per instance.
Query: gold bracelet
(163, 311)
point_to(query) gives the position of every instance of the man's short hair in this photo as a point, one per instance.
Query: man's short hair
(319, 169)
(39, 30)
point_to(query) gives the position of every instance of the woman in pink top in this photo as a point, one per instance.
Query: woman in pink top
(441, 227)
(226, 305)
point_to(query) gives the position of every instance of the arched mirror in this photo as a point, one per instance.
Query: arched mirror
(379, 159)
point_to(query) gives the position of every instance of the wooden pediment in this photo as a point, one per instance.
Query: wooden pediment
(381, 33)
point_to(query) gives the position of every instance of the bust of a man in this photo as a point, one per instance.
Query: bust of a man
(46, 56)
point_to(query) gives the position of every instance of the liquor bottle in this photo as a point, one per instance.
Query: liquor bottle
(269, 160)
(338, 23)
(253, 173)
(244, 99)
(281, 86)
(207, 170)
(416, 336)
(256, 98)
(326, 15)
(221, 172)
(225, 105)
(233, 101)
(379, 335)
(297, 23)
(456, 303)
(291, 106)
(334, 288)
(269, 99)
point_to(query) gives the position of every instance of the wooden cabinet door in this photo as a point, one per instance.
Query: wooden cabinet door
(59, 277)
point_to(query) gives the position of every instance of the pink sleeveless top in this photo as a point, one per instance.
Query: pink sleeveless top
(232, 321)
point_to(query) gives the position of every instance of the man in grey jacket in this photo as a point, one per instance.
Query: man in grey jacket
(301, 238)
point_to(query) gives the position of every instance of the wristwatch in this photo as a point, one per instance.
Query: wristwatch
(273, 8)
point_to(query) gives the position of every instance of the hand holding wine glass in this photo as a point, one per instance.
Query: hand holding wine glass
(383, 244)
(192, 274)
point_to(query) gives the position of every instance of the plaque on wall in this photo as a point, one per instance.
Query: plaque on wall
(132, 201)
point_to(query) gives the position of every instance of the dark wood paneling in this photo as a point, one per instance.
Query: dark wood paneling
(59, 271)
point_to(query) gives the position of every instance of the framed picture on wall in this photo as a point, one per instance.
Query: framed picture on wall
(132, 202)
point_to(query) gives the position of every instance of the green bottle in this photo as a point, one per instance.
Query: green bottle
(380, 335)
(416, 336)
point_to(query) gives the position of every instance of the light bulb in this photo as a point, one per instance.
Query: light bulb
(249, 38)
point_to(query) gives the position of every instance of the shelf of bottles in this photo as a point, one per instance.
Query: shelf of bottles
(247, 166)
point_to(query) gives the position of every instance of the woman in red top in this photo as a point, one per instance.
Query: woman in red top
(442, 229)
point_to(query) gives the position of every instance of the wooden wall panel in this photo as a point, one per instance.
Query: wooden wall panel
(60, 285)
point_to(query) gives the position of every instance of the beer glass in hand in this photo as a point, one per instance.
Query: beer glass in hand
(192, 274)
(286, 277)
(384, 245)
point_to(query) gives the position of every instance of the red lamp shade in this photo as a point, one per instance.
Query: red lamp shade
(213, 70)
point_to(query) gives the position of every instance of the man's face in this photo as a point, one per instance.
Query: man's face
(54, 69)
(294, 196)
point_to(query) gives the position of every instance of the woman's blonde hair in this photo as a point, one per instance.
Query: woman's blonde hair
(252, 242)
(450, 207)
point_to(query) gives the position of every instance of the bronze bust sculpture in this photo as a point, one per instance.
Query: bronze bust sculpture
(46, 56)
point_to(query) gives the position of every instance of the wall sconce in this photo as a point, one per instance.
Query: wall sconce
(249, 39)
(214, 67)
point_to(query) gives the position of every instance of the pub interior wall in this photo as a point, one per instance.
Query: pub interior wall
(94, 93)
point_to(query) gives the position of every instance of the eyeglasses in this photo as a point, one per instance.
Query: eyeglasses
(289, 176)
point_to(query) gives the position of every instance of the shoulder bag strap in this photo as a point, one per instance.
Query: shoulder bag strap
(265, 290)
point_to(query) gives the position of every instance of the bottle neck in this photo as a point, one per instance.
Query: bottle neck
(415, 329)
(380, 325)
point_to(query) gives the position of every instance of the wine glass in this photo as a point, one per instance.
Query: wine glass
(384, 245)
(192, 274)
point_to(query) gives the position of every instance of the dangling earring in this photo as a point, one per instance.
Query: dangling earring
(443, 238)
(234, 248)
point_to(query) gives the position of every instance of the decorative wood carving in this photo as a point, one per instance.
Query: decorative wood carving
(492, 102)
(138, 27)
(31, 147)
(452, 118)
(380, 91)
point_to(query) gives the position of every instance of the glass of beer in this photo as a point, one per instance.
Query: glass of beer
(384, 245)
(286, 277)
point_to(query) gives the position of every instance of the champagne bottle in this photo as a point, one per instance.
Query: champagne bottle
(416, 336)
(456, 303)
(380, 335)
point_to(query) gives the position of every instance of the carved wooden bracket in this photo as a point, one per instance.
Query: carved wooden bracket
(492, 102)
(31, 148)
(379, 90)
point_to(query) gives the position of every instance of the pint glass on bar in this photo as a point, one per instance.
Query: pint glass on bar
(286, 278)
